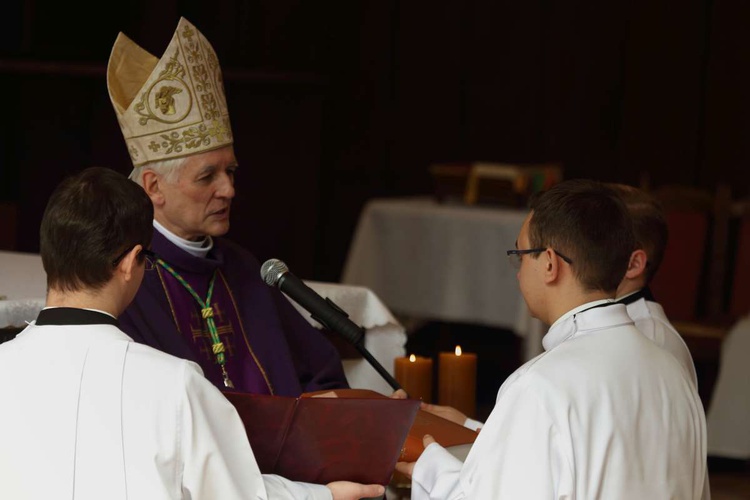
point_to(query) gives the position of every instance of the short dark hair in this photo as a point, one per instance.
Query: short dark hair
(649, 224)
(90, 219)
(588, 223)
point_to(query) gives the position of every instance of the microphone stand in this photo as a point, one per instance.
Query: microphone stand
(358, 343)
(378, 367)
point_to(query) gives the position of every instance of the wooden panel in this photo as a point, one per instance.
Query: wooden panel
(727, 107)
(54, 142)
(609, 89)
(426, 121)
(357, 128)
(8, 225)
(277, 144)
(664, 89)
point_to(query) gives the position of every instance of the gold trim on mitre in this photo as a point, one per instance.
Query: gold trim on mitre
(170, 107)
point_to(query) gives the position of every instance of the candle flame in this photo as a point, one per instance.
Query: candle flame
(458, 350)
(412, 358)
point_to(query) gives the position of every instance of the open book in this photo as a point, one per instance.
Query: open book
(321, 439)
(448, 434)
(456, 438)
(346, 434)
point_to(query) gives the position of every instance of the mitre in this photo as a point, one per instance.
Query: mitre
(170, 107)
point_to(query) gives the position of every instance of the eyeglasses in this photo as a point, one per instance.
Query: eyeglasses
(151, 258)
(148, 254)
(515, 255)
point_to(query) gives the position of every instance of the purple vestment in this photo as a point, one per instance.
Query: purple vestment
(270, 347)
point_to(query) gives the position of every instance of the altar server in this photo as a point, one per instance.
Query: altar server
(603, 412)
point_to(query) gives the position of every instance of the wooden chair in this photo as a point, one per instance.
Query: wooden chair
(738, 271)
(691, 280)
(493, 183)
(509, 184)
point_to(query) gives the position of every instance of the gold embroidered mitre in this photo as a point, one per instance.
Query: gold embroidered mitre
(169, 107)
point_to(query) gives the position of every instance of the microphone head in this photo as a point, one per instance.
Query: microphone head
(272, 270)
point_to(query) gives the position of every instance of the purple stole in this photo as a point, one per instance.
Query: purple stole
(241, 364)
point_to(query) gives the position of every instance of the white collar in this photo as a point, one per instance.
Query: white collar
(580, 319)
(194, 248)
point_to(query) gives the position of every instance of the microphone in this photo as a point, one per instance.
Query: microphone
(276, 274)
(324, 311)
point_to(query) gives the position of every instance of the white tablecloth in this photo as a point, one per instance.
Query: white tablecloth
(22, 276)
(23, 282)
(385, 338)
(443, 262)
(23, 287)
(728, 416)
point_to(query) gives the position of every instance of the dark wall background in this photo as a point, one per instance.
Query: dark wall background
(335, 102)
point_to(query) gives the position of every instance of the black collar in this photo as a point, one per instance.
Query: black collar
(603, 304)
(643, 293)
(73, 316)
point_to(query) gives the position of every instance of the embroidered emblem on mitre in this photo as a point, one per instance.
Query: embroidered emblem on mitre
(169, 107)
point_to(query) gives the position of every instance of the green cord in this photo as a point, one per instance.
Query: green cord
(207, 312)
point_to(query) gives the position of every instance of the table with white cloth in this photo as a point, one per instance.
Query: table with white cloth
(23, 288)
(441, 261)
(385, 338)
(23, 285)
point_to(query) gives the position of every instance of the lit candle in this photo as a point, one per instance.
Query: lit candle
(457, 379)
(414, 374)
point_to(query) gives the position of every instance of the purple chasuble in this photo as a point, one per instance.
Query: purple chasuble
(241, 363)
(270, 347)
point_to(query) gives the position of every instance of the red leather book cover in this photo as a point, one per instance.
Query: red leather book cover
(445, 432)
(321, 439)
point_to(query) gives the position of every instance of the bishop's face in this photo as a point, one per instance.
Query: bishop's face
(198, 203)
